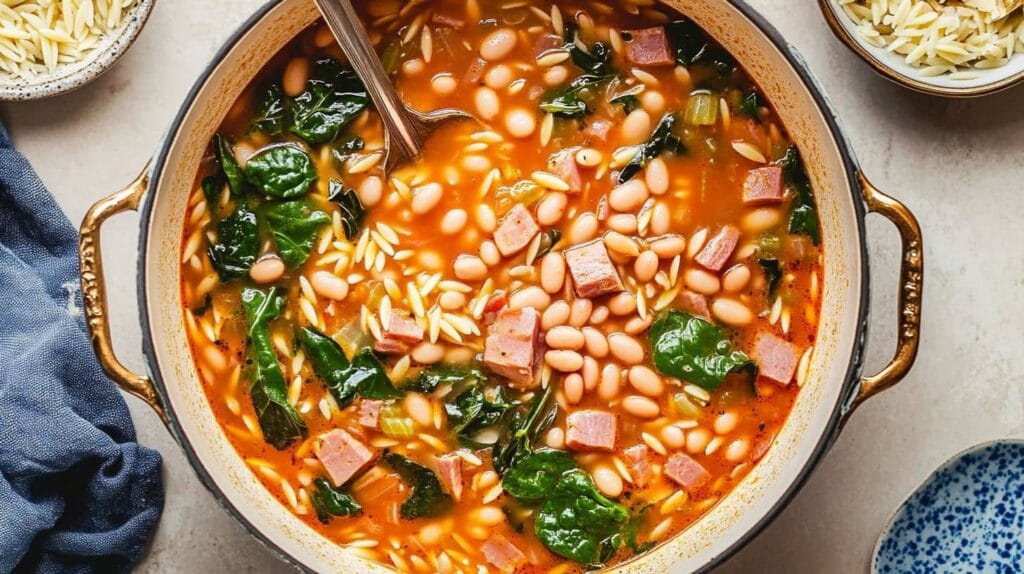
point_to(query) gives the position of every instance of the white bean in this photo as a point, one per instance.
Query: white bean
(737, 450)
(551, 208)
(555, 315)
(371, 190)
(656, 176)
(531, 296)
(498, 77)
(726, 422)
(701, 281)
(564, 360)
(329, 286)
(646, 266)
(487, 103)
(268, 269)
(636, 127)
(555, 438)
(588, 157)
(628, 196)
(573, 388)
(611, 379)
(673, 436)
(444, 84)
(427, 353)
(498, 44)
(454, 221)
(469, 268)
(697, 440)
(555, 75)
(653, 102)
(736, 278)
(622, 303)
(581, 310)
(489, 253)
(452, 300)
(608, 481)
(624, 223)
(565, 337)
(520, 123)
(760, 220)
(646, 381)
(552, 272)
(419, 408)
(595, 342)
(625, 348)
(583, 229)
(486, 220)
(426, 197)
(296, 72)
(668, 246)
(731, 312)
(641, 407)
(591, 372)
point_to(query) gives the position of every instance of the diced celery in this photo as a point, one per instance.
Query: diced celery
(394, 423)
(352, 338)
(524, 191)
(685, 407)
(702, 109)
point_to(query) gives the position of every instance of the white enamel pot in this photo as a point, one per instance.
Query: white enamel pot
(833, 389)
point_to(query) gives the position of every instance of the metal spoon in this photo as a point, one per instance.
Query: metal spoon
(405, 129)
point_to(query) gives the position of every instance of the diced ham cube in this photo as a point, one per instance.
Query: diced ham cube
(776, 358)
(369, 413)
(649, 47)
(449, 20)
(763, 185)
(401, 333)
(546, 43)
(638, 462)
(501, 553)
(598, 130)
(512, 346)
(592, 269)
(563, 164)
(592, 431)
(495, 303)
(343, 456)
(718, 249)
(516, 231)
(449, 471)
(686, 472)
(475, 71)
(696, 304)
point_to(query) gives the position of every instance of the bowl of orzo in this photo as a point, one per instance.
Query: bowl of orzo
(957, 48)
(49, 47)
(613, 327)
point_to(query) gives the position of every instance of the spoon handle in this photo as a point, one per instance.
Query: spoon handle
(343, 21)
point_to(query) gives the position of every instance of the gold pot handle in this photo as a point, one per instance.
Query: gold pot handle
(908, 336)
(94, 291)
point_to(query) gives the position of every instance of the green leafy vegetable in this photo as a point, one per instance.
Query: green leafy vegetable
(524, 191)
(270, 114)
(750, 104)
(772, 273)
(471, 411)
(631, 532)
(692, 46)
(662, 140)
(238, 244)
(804, 218)
(427, 499)
(282, 171)
(572, 101)
(364, 375)
(329, 501)
(333, 97)
(212, 184)
(548, 240)
(524, 431)
(232, 171)
(629, 102)
(577, 522)
(294, 225)
(533, 478)
(279, 421)
(694, 350)
(434, 376)
(352, 211)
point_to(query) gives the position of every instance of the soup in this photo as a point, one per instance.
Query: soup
(549, 344)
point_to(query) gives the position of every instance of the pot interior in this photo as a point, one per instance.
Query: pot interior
(805, 435)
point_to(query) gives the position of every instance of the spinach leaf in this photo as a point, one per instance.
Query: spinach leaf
(471, 411)
(661, 140)
(572, 100)
(750, 103)
(270, 113)
(804, 218)
(629, 102)
(524, 431)
(328, 501)
(212, 184)
(692, 45)
(282, 171)
(577, 522)
(352, 211)
(434, 376)
(548, 240)
(348, 146)
(333, 97)
(294, 225)
(533, 478)
(232, 171)
(344, 379)
(632, 531)
(428, 499)
(279, 421)
(238, 244)
(694, 350)
(594, 59)
(772, 273)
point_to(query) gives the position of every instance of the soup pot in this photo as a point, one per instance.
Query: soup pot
(833, 389)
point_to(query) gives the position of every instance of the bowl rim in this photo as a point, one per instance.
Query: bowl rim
(830, 11)
(830, 431)
(96, 62)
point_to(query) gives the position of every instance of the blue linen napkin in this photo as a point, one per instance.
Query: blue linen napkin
(77, 493)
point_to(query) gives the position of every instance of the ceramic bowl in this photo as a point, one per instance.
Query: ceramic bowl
(73, 75)
(894, 67)
(968, 516)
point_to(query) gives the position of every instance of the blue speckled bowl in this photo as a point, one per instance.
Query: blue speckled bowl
(968, 516)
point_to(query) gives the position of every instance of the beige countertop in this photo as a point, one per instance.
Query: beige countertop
(957, 164)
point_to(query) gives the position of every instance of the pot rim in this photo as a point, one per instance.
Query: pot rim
(847, 393)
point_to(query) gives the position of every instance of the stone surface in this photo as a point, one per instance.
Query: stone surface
(965, 389)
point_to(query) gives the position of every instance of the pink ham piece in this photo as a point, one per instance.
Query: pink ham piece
(648, 47)
(443, 19)
(563, 164)
(638, 462)
(511, 349)
(763, 185)
(502, 554)
(696, 304)
(516, 230)
(401, 333)
(718, 249)
(546, 43)
(497, 301)
(776, 358)
(449, 471)
(686, 472)
(592, 269)
(343, 456)
(592, 431)
(369, 413)
(598, 130)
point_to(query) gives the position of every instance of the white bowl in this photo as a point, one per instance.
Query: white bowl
(74, 75)
(895, 68)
